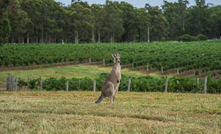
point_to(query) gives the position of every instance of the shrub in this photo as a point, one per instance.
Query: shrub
(162, 39)
(194, 38)
(202, 37)
(186, 38)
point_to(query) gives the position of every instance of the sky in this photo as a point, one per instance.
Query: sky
(140, 3)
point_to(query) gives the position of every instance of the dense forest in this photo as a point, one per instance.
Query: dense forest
(47, 21)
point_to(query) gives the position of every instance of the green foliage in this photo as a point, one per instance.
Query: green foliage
(202, 37)
(162, 39)
(194, 38)
(140, 84)
(186, 38)
(5, 29)
(197, 72)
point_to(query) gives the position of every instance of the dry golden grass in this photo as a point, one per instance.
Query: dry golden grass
(76, 112)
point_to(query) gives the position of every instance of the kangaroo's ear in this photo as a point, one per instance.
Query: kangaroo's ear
(113, 55)
(118, 54)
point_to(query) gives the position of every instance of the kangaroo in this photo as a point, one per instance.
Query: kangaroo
(112, 82)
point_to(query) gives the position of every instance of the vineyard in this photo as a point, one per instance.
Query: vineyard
(203, 58)
(167, 55)
(190, 55)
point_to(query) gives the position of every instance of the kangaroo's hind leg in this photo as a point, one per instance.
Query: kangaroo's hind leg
(110, 92)
(116, 90)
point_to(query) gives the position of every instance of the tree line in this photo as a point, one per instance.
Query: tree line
(47, 21)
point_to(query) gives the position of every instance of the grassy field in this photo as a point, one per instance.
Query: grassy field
(132, 112)
(74, 71)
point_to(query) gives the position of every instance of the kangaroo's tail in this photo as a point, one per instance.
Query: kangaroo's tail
(100, 99)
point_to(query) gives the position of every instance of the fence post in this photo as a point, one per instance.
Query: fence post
(132, 65)
(41, 83)
(194, 73)
(79, 85)
(28, 82)
(197, 80)
(161, 70)
(104, 62)
(166, 84)
(129, 81)
(16, 84)
(205, 85)
(11, 87)
(94, 85)
(89, 60)
(8, 82)
(147, 67)
(177, 71)
(13, 82)
(67, 85)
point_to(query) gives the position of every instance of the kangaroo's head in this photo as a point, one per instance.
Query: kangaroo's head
(116, 58)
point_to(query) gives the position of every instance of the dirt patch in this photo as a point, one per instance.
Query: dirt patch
(49, 66)
(151, 71)
(2, 89)
(138, 69)
(186, 74)
(201, 75)
(168, 72)
(217, 77)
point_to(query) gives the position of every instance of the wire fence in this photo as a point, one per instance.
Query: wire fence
(144, 84)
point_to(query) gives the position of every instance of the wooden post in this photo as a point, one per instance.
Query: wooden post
(194, 73)
(161, 70)
(129, 81)
(11, 87)
(94, 85)
(79, 85)
(67, 85)
(205, 85)
(132, 65)
(177, 71)
(13, 82)
(28, 82)
(16, 83)
(177, 82)
(104, 62)
(147, 68)
(41, 83)
(89, 60)
(197, 80)
(166, 84)
(8, 82)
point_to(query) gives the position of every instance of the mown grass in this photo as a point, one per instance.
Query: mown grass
(132, 112)
(74, 71)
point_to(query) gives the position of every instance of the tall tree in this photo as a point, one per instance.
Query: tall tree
(6, 7)
(114, 22)
(79, 20)
(158, 23)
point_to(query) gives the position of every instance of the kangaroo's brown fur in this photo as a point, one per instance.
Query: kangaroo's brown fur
(112, 82)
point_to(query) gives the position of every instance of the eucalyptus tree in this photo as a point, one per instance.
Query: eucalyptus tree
(79, 17)
(158, 23)
(114, 22)
(6, 7)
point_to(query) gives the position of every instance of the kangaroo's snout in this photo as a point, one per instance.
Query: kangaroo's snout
(118, 61)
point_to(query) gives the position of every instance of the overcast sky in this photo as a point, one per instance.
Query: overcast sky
(140, 3)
